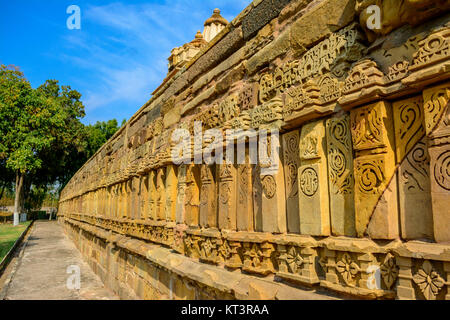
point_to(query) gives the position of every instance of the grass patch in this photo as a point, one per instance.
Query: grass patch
(8, 236)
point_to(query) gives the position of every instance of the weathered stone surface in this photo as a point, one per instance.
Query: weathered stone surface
(258, 17)
(216, 54)
(394, 14)
(320, 21)
(276, 48)
(172, 117)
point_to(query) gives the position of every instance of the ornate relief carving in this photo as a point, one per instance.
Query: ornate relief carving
(309, 181)
(367, 125)
(228, 109)
(257, 257)
(340, 155)
(397, 71)
(428, 280)
(267, 114)
(434, 107)
(269, 186)
(334, 54)
(330, 89)
(432, 49)
(408, 122)
(417, 171)
(293, 259)
(441, 170)
(308, 147)
(347, 268)
(389, 271)
(291, 162)
(247, 97)
(371, 177)
(243, 174)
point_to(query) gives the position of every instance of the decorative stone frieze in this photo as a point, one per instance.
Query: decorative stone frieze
(356, 201)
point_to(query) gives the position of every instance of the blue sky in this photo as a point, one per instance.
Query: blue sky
(117, 58)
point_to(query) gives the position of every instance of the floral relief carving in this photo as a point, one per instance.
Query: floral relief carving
(389, 271)
(347, 268)
(293, 259)
(428, 280)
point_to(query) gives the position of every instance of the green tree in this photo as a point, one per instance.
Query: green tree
(42, 141)
(34, 126)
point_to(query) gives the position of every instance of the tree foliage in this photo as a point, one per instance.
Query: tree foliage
(42, 140)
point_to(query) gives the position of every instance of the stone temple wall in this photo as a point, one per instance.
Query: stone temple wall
(360, 203)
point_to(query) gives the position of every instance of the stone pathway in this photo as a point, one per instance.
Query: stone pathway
(40, 271)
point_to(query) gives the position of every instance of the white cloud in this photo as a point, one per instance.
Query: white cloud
(125, 47)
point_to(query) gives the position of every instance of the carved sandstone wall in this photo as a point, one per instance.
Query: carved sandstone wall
(360, 203)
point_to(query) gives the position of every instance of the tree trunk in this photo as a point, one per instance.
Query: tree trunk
(3, 189)
(18, 200)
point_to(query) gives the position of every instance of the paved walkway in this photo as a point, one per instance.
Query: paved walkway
(40, 271)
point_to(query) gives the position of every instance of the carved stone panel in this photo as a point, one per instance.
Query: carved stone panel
(313, 181)
(171, 192)
(143, 197)
(416, 215)
(374, 167)
(160, 194)
(244, 197)
(192, 195)
(208, 197)
(291, 163)
(152, 195)
(413, 174)
(181, 187)
(437, 125)
(340, 175)
(227, 196)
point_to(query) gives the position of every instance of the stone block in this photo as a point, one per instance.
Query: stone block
(152, 194)
(208, 197)
(227, 196)
(437, 115)
(414, 197)
(244, 215)
(181, 187)
(320, 21)
(192, 196)
(313, 181)
(260, 15)
(374, 168)
(291, 162)
(171, 192)
(340, 175)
